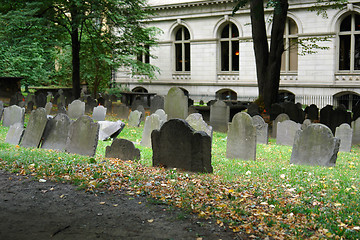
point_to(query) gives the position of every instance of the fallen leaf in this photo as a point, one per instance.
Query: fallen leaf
(150, 220)
(102, 203)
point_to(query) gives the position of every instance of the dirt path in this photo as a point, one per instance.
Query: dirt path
(33, 210)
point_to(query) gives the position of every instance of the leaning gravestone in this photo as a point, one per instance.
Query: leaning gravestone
(355, 125)
(15, 134)
(13, 114)
(110, 129)
(157, 103)
(56, 132)
(152, 122)
(83, 136)
(219, 116)
(163, 116)
(178, 145)
(196, 122)
(76, 109)
(315, 145)
(99, 113)
(286, 131)
(241, 140)
(135, 118)
(262, 134)
(176, 104)
(281, 117)
(344, 133)
(1, 109)
(35, 128)
(48, 107)
(141, 109)
(122, 149)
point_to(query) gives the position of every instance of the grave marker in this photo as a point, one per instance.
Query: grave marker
(344, 133)
(56, 132)
(176, 104)
(122, 149)
(35, 128)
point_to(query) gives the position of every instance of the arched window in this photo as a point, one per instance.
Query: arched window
(182, 49)
(289, 59)
(349, 43)
(229, 47)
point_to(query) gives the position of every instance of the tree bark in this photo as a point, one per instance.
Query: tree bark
(75, 47)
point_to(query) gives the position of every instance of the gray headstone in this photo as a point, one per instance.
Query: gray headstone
(122, 149)
(152, 122)
(355, 125)
(262, 134)
(110, 129)
(157, 103)
(135, 118)
(83, 136)
(13, 114)
(176, 104)
(76, 109)
(315, 145)
(15, 134)
(48, 107)
(196, 121)
(344, 133)
(141, 109)
(286, 131)
(219, 116)
(163, 116)
(281, 117)
(122, 111)
(56, 132)
(306, 123)
(177, 145)
(241, 138)
(99, 113)
(35, 128)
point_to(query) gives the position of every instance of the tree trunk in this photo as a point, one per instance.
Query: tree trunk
(75, 47)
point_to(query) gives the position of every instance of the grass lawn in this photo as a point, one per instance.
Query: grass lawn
(266, 197)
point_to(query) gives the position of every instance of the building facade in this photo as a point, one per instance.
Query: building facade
(208, 52)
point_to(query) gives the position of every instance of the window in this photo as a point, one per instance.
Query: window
(182, 49)
(145, 56)
(229, 47)
(349, 43)
(289, 59)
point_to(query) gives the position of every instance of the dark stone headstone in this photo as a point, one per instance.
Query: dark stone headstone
(30, 106)
(177, 145)
(13, 114)
(253, 109)
(35, 128)
(344, 133)
(110, 129)
(56, 132)
(219, 116)
(15, 134)
(312, 112)
(83, 136)
(294, 112)
(40, 100)
(122, 149)
(157, 102)
(90, 104)
(275, 110)
(326, 114)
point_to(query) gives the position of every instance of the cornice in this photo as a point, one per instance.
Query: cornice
(189, 4)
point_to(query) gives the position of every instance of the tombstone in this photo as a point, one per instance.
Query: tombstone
(253, 109)
(275, 110)
(281, 117)
(40, 100)
(195, 120)
(15, 134)
(35, 128)
(262, 133)
(176, 104)
(355, 125)
(76, 109)
(141, 109)
(219, 116)
(122, 111)
(83, 136)
(136, 103)
(157, 102)
(61, 100)
(28, 98)
(163, 116)
(340, 116)
(1, 109)
(344, 133)
(99, 113)
(306, 123)
(135, 118)
(91, 103)
(326, 114)
(122, 149)
(294, 111)
(178, 145)
(30, 106)
(13, 114)
(152, 122)
(286, 131)
(49, 97)
(48, 107)
(17, 99)
(312, 112)
(315, 145)
(110, 129)
(241, 138)
(56, 132)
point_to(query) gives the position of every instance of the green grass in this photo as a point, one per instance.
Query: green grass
(266, 197)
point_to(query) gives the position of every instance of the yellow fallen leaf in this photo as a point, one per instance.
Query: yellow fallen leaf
(115, 205)
(150, 220)
(102, 203)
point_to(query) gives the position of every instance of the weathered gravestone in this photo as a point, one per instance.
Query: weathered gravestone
(178, 145)
(241, 138)
(122, 111)
(281, 117)
(306, 123)
(163, 116)
(56, 132)
(99, 113)
(76, 109)
(13, 114)
(219, 116)
(262, 134)
(110, 129)
(141, 109)
(35, 128)
(294, 111)
(1, 109)
(122, 149)
(286, 131)
(83, 136)
(355, 125)
(152, 122)
(176, 104)
(196, 122)
(15, 134)
(315, 145)
(344, 133)
(48, 107)
(157, 103)
(135, 118)
(40, 100)
(312, 112)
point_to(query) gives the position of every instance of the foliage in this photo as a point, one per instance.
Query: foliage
(116, 89)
